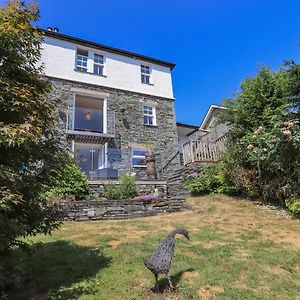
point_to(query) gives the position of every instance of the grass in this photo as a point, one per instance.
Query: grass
(237, 251)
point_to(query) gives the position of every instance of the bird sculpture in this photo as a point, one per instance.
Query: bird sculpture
(161, 260)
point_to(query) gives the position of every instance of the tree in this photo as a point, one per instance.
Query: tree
(30, 144)
(263, 156)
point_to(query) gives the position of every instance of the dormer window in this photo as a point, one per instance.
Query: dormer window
(81, 60)
(98, 64)
(145, 74)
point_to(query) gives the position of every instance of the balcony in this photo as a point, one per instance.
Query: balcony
(203, 151)
(88, 117)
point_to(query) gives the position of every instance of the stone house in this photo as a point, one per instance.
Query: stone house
(113, 105)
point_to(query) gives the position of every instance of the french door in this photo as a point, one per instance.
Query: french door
(91, 158)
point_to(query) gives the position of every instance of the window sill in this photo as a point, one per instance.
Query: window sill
(88, 133)
(151, 84)
(139, 167)
(148, 125)
(90, 73)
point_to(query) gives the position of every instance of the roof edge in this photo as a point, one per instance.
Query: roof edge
(83, 42)
(187, 125)
(209, 112)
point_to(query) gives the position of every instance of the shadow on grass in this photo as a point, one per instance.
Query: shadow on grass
(164, 285)
(61, 270)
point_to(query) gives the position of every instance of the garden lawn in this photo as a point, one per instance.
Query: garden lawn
(238, 250)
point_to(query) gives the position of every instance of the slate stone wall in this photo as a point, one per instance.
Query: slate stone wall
(129, 127)
(119, 209)
(96, 188)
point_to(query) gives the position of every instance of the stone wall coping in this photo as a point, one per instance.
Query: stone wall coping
(120, 201)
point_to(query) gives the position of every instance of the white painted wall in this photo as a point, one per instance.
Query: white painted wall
(121, 72)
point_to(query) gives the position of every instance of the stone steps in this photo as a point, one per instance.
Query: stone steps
(175, 181)
(175, 184)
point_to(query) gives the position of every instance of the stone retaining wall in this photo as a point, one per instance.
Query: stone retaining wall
(96, 188)
(119, 209)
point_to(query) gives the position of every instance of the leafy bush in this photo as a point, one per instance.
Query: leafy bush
(112, 191)
(263, 147)
(12, 275)
(67, 181)
(126, 190)
(128, 186)
(294, 206)
(213, 179)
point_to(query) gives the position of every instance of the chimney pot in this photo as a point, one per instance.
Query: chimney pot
(49, 28)
(55, 29)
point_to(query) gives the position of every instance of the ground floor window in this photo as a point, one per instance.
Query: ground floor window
(138, 158)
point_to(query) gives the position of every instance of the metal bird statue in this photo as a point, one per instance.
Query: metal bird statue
(160, 261)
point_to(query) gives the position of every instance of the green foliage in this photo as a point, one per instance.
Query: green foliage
(213, 179)
(262, 159)
(69, 180)
(126, 190)
(112, 191)
(128, 186)
(294, 206)
(30, 144)
(263, 148)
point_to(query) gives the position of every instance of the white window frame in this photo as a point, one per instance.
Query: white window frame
(146, 74)
(98, 64)
(153, 115)
(103, 158)
(138, 156)
(82, 58)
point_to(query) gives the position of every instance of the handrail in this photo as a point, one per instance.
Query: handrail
(203, 151)
(168, 162)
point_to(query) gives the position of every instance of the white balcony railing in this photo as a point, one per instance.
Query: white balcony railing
(203, 151)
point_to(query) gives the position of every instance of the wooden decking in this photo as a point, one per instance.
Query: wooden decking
(203, 151)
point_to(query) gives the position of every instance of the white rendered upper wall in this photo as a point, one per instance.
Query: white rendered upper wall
(120, 72)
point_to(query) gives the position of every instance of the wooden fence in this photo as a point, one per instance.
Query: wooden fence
(203, 151)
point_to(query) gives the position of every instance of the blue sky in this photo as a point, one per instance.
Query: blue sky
(214, 43)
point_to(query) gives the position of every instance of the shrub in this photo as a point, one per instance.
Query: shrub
(112, 191)
(126, 190)
(128, 186)
(66, 182)
(263, 146)
(213, 179)
(294, 206)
